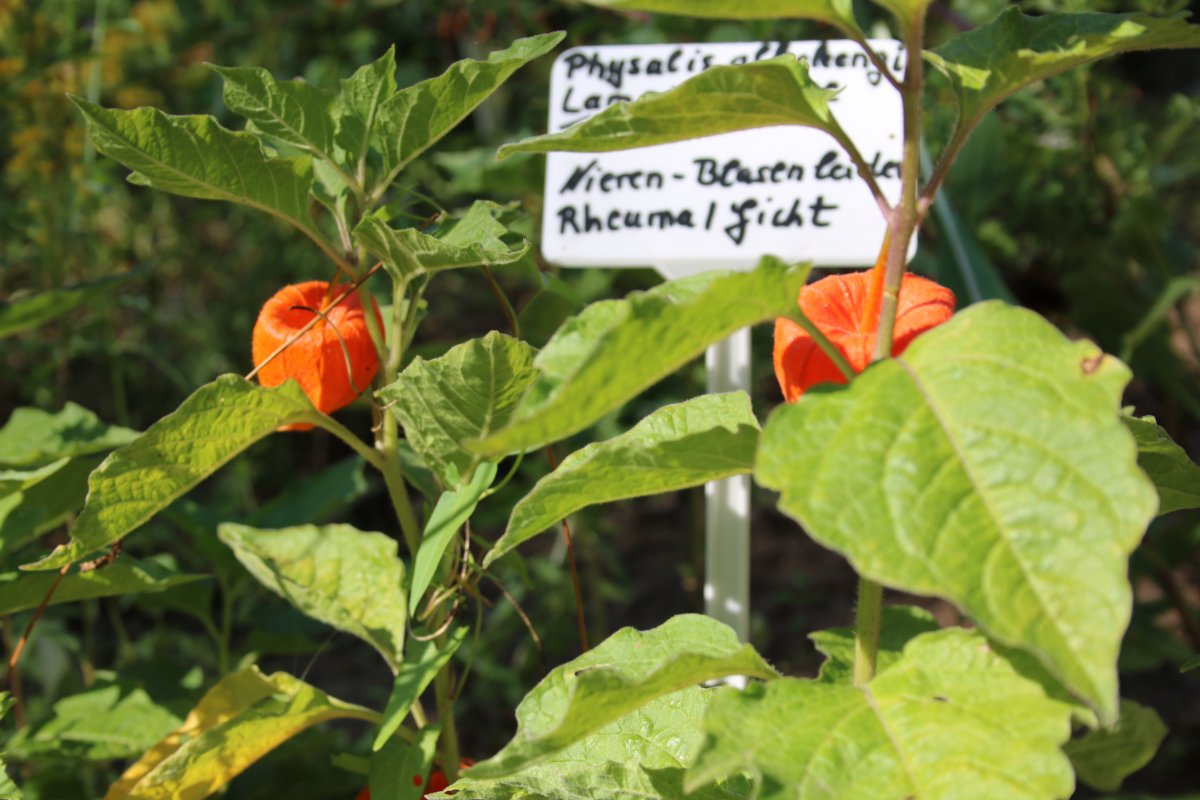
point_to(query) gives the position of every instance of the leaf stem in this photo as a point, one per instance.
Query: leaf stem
(828, 347)
(949, 153)
(864, 170)
(876, 61)
(867, 616)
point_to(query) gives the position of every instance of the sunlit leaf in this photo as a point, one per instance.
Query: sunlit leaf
(949, 719)
(991, 62)
(21, 591)
(218, 421)
(839, 13)
(238, 721)
(678, 446)
(473, 241)
(623, 673)
(357, 106)
(722, 99)
(987, 465)
(1105, 757)
(615, 349)
(289, 112)
(33, 437)
(468, 393)
(421, 665)
(33, 502)
(454, 507)
(1175, 476)
(335, 573)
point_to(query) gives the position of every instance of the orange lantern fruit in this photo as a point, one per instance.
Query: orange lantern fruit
(846, 309)
(331, 375)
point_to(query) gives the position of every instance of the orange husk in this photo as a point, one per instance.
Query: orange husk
(317, 360)
(846, 309)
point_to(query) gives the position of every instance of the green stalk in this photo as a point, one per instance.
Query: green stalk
(902, 224)
(447, 746)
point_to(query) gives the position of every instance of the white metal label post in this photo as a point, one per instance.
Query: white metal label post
(721, 203)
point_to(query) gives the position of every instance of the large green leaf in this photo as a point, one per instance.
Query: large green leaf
(949, 719)
(615, 349)
(356, 109)
(336, 573)
(33, 437)
(643, 754)
(289, 112)
(21, 591)
(839, 13)
(415, 118)
(678, 446)
(30, 311)
(398, 771)
(33, 502)
(1103, 758)
(623, 673)
(218, 421)
(453, 509)
(990, 63)
(238, 721)
(194, 156)
(113, 719)
(473, 241)
(988, 466)
(1175, 476)
(722, 99)
(424, 660)
(468, 393)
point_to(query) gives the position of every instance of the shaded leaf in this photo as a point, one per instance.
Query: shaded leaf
(21, 591)
(722, 99)
(31, 311)
(991, 62)
(1105, 757)
(986, 465)
(641, 755)
(422, 664)
(218, 421)
(1175, 476)
(194, 156)
(899, 625)
(473, 241)
(452, 511)
(356, 108)
(678, 446)
(45, 499)
(33, 437)
(415, 118)
(336, 573)
(317, 498)
(396, 768)
(615, 349)
(623, 673)
(949, 719)
(238, 721)
(468, 393)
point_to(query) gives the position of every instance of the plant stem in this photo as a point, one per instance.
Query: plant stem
(447, 746)
(902, 224)
(864, 171)
(397, 489)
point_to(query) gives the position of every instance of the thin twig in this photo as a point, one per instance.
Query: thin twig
(533, 634)
(509, 314)
(566, 530)
(14, 660)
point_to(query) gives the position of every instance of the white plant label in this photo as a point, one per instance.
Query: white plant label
(721, 202)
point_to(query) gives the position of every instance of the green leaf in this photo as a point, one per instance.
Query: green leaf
(839, 13)
(473, 241)
(30, 311)
(357, 107)
(990, 63)
(45, 499)
(1105, 757)
(293, 113)
(22, 591)
(1175, 476)
(315, 499)
(395, 768)
(468, 393)
(899, 625)
(1191, 664)
(623, 673)
(422, 664)
(336, 573)
(643, 754)
(33, 437)
(907, 11)
(678, 446)
(615, 349)
(722, 99)
(238, 721)
(218, 421)
(8, 789)
(194, 156)
(949, 719)
(452, 511)
(415, 118)
(109, 721)
(988, 466)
